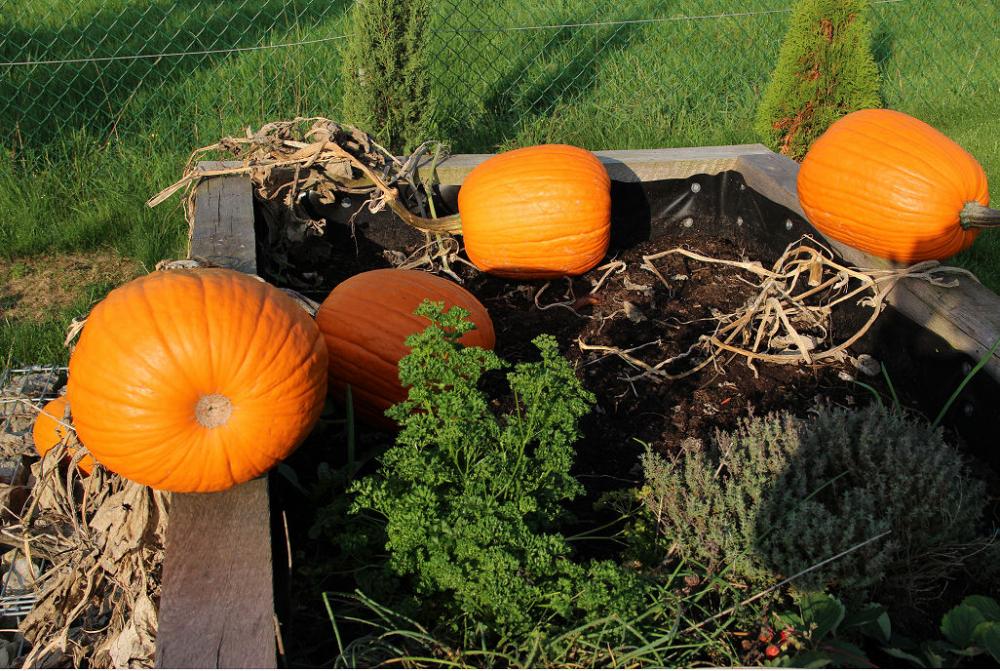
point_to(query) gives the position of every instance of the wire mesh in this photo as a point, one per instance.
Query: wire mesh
(193, 69)
(22, 390)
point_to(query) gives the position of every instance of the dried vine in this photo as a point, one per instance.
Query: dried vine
(314, 161)
(788, 320)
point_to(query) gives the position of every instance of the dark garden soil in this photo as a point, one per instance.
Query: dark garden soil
(717, 216)
(714, 216)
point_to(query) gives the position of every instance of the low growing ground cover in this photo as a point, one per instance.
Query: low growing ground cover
(473, 537)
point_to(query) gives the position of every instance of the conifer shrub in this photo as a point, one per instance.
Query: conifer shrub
(825, 70)
(386, 80)
(781, 495)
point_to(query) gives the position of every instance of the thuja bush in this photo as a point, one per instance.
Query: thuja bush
(472, 491)
(386, 78)
(825, 70)
(782, 495)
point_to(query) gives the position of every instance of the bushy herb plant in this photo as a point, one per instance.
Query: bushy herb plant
(472, 491)
(780, 496)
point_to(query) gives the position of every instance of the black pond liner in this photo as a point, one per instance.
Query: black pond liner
(705, 205)
(923, 367)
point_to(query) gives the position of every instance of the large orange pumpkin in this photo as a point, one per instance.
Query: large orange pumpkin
(196, 380)
(895, 187)
(537, 212)
(365, 321)
(50, 430)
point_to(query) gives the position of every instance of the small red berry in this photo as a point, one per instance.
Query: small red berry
(772, 651)
(785, 635)
(766, 634)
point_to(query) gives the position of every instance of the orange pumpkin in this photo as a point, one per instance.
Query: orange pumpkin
(536, 213)
(50, 430)
(893, 186)
(196, 380)
(365, 321)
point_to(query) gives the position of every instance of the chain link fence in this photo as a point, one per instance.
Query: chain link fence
(637, 73)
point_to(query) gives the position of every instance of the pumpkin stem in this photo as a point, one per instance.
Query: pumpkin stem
(452, 224)
(213, 410)
(975, 215)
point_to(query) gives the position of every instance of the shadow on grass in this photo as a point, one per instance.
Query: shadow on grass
(39, 103)
(536, 80)
(25, 342)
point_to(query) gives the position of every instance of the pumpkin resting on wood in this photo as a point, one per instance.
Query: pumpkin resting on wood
(893, 186)
(49, 432)
(537, 212)
(365, 321)
(196, 380)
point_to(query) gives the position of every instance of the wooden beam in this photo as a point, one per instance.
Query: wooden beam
(967, 317)
(217, 600)
(629, 165)
(217, 596)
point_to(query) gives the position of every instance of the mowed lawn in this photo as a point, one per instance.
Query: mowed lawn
(86, 144)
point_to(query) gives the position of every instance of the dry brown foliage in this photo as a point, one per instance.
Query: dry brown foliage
(316, 160)
(100, 540)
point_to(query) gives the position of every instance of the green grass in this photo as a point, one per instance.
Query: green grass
(681, 628)
(85, 145)
(24, 342)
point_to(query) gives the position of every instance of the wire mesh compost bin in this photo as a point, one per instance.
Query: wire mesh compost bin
(22, 390)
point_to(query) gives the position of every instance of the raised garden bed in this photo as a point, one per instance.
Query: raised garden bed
(218, 600)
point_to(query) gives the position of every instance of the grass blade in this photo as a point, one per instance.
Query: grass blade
(958, 390)
(349, 402)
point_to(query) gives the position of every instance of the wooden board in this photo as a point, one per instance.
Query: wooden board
(629, 165)
(224, 231)
(217, 599)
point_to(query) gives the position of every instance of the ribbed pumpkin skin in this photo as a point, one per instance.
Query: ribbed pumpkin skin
(536, 213)
(157, 347)
(365, 321)
(892, 186)
(48, 432)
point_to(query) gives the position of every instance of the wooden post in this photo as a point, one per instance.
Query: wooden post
(217, 595)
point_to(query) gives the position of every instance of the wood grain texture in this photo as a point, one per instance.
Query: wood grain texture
(217, 598)
(967, 317)
(224, 230)
(631, 165)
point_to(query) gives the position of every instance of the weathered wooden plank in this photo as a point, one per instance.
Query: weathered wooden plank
(217, 599)
(629, 165)
(224, 230)
(967, 317)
